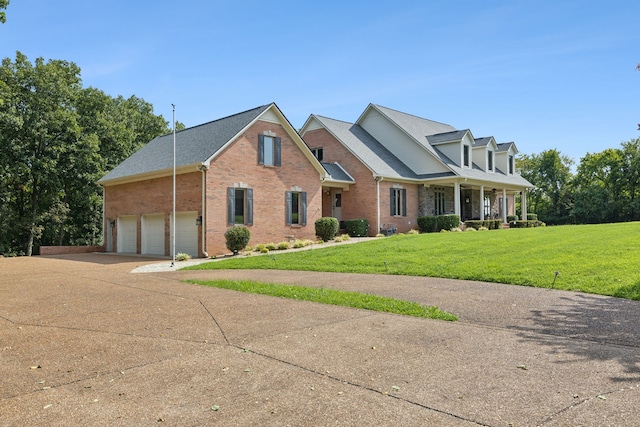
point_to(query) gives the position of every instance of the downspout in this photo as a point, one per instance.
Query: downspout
(203, 168)
(378, 179)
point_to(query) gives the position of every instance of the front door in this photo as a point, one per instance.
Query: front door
(336, 205)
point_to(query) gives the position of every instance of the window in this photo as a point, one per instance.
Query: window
(465, 155)
(487, 207)
(239, 206)
(317, 152)
(398, 202)
(268, 150)
(439, 202)
(511, 165)
(296, 207)
(489, 160)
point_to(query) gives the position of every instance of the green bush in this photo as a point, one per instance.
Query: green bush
(527, 224)
(357, 227)
(532, 217)
(327, 228)
(237, 238)
(511, 218)
(447, 222)
(475, 223)
(427, 224)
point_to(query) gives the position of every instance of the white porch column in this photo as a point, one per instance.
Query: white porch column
(523, 202)
(482, 202)
(504, 205)
(456, 198)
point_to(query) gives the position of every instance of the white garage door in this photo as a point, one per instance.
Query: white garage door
(187, 233)
(127, 234)
(153, 234)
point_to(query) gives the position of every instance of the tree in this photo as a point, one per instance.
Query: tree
(57, 140)
(606, 185)
(550, 172)
(3, 7)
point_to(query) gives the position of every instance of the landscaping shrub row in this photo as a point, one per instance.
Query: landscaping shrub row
(433, 224)
(526, 224)
(491, 224)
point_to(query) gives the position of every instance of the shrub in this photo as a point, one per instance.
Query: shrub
(447, 222)
(182, 257)
(237, 238)
(483, 229)
(474, 223)
(357, 227)
(512, 218)
(260, 247)
(412, 231)
(299, 244)
(532, 217)
(284, 245)
(264, 250)
(271, 246)
(327, 228)
(427, 224)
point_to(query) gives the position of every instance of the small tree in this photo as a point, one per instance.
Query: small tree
(237, 238)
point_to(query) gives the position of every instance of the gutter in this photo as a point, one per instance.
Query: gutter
(203, 168)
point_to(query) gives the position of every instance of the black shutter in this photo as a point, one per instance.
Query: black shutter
(276, 152)
(231, 205)
(261, 149)
(404, 202)
(392, 198)
(288, 208)
(303, 208)
(249, 213)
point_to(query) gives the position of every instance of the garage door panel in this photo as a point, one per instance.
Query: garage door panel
(187, 233)
(153, 234)
(127, 234)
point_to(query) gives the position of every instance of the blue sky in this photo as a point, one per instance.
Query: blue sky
(545, 74)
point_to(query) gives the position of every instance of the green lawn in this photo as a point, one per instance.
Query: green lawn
(333, 297)
(600, 259)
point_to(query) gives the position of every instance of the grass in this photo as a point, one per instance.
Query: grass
(331, 296)
(599, 259)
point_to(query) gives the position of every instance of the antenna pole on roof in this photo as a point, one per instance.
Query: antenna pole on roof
(173, 214)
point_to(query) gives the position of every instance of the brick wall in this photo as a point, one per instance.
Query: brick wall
(153, 196)
(239, 164)
(66, 250)
(360, 201)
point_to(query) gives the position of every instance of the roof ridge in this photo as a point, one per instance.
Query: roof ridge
(221, 118)
(412, 115)
(331, 118)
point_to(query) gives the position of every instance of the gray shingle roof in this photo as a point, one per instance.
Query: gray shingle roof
(337, 172)
(194, 145)
(440, 138)
(480, 142)
(366, 148)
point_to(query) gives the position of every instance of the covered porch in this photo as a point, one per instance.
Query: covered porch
(472, 200)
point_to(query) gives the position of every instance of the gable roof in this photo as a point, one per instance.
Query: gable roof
(375, 156)
(441, 138)
(195, 146)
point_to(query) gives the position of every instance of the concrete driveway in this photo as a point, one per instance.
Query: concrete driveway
(83, 341)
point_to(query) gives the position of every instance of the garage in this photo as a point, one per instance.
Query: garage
(153, 234)
(187, 233)
(127, 234)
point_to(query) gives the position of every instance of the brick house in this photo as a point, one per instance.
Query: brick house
(402, 167)
(251, 168)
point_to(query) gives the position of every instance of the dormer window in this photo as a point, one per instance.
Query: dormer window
(318, 153)
(465, 156)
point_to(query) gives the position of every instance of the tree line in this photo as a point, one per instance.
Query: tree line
(57, 139)
(604, 187)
